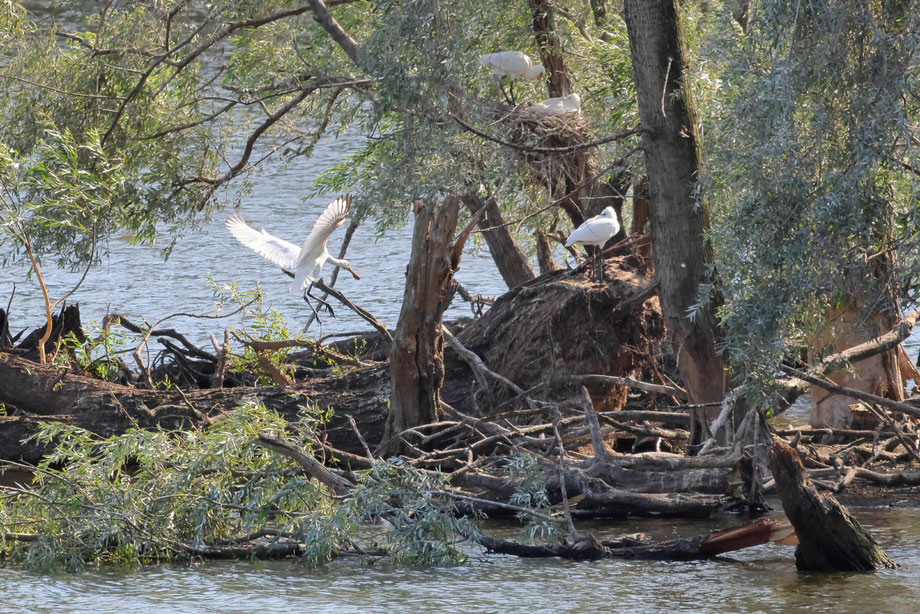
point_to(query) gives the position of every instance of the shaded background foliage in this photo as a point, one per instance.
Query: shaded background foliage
(813, 172)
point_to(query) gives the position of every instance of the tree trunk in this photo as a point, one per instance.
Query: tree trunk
(677, 219)
(514, 267)
(557, 77)
(417, 360)
(879, 374)
(545, 253)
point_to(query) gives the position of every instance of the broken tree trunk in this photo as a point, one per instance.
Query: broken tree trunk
(417, 359)
(879, 374)
(829, 538)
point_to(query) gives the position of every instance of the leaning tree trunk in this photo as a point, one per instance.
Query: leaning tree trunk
(417, 360)
(677, 218)
(514, 267)
(829, 538)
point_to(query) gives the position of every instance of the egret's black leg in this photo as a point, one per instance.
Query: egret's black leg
(511, 89)
(322, 302)
(307, 294)
(508, 99)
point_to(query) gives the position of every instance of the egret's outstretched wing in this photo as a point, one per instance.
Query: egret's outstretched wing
(277, 251)
(330, 219)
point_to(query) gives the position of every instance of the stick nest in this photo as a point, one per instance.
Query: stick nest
(523, 127)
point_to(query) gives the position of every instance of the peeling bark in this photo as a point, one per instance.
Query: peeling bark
(416, 362)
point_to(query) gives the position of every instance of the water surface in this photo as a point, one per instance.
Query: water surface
(759, 579)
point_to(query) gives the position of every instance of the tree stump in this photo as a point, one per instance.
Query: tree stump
(829, 538)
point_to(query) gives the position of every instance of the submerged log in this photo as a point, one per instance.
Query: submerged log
(829, 538)
(539, 328)
(698, 547)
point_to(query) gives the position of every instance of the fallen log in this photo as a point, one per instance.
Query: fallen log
(699, 547)
(34, 393)
(829, 538)
(618, 504)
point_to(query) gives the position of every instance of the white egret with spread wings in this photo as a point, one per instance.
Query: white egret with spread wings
(304, 264)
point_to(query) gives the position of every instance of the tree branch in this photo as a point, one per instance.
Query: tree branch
(546, 150)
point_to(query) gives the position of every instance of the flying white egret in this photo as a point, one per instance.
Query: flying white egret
(514, 65)
(557, 106)
(304, 264)
(596, 231)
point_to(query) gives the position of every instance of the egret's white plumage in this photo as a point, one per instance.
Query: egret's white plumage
(512, 64)
(597, 230)
(557, 106)
(306, 263)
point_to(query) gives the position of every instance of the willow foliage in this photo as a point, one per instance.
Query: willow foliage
(814, 171)
(154, 496)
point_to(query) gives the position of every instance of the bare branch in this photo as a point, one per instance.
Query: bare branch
(547, 150)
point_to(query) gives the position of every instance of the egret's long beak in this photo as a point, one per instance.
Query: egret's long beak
(352, 271)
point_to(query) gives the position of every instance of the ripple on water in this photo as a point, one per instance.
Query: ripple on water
(761, 579)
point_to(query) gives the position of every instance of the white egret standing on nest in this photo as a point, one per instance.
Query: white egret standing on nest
(304, 264)
(557, 106)
(596, 231)
(514, 65)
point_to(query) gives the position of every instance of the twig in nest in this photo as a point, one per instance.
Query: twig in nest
(547, 150)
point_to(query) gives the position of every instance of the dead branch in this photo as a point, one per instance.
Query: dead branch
(898, 406)
(363, 313)
(631, 383)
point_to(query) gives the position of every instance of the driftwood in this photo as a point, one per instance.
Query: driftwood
(829, 538)
(699, 547)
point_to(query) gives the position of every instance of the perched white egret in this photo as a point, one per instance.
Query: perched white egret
(596, 231)
(304, 264)
(557, 106)
(514, 65)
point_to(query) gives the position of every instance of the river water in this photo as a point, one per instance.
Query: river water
(759, 579)
(136, 280)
